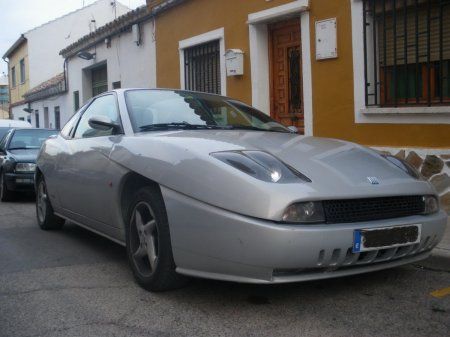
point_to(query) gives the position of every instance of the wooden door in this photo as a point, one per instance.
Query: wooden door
(285, 73)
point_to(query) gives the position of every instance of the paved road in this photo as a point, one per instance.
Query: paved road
(74, 283)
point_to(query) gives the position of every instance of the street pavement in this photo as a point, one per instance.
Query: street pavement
(75, 283)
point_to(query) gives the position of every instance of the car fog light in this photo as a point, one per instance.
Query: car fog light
(304, 212)
(431, 204)
(25, 167)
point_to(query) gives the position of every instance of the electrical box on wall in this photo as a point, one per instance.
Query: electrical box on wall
(326, 39)
(234, 60)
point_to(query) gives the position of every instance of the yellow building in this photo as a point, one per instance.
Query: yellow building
(4, 114)
(349, 69)
(18, 70)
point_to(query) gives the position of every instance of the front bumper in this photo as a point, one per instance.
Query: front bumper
(20, 181)
(214, 243)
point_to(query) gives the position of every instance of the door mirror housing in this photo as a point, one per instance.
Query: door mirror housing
(293, 129)
(103, 123)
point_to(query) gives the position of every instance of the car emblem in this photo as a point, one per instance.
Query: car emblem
(373, 180)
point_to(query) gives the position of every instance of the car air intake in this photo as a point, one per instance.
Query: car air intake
(355, 210)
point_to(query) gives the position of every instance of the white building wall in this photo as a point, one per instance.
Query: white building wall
(18, 113)
(46, 41)
(132, 65)
(50, 103)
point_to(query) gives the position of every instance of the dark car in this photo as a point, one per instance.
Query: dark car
(18, 152)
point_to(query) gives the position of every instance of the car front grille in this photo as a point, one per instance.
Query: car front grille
(355, 210)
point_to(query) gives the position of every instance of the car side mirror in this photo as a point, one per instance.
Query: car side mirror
(103, 123)
(293, 129)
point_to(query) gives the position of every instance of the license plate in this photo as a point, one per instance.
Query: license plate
(388, 237)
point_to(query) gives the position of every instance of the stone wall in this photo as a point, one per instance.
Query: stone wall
(434, 165)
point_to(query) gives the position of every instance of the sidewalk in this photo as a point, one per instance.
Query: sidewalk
(443, 248)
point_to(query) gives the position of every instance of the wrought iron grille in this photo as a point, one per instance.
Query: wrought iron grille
(202, 67)
(294, 80)
(406, 52)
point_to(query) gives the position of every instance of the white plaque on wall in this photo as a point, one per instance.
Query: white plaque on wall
(326, 39)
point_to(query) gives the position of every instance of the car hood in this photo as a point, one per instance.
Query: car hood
(25, 155)
(181, 161)
(313, 156)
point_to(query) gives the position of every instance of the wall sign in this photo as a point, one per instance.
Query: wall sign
(326, 39)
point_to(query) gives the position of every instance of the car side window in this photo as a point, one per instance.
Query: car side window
(102, 106)
(70, 125)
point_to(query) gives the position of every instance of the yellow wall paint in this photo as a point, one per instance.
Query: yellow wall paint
(17, 92)
(332, 80)
(195, 17)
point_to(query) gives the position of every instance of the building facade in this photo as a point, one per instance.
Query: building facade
(4, 97)
(349, 69)
(18, 74)
(35, 63)
(116, 56)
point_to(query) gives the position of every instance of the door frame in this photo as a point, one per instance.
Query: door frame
(259, 56)
(271, 29)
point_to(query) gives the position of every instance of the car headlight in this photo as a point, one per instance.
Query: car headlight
(25, 167)
(431, 204)
(404, 166)
(261, 165)
(304, 212)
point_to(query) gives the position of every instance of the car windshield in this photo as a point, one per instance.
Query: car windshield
(29, 138)
(164, 109)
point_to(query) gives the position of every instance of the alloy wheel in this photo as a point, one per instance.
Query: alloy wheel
(144, 238)
(41, 201)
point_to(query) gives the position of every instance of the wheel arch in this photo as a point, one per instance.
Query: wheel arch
(37, 174)
(130, 183)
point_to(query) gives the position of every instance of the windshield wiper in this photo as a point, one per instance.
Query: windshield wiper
(177, 125)
(250, 127)
(22, 148)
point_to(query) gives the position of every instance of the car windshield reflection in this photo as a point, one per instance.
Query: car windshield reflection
(25, 139)
(167, 109)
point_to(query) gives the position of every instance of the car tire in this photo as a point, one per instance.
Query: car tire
(149, 248)
(5, 194)
(46, 218)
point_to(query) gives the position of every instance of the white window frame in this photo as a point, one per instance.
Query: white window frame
(363, 114)
(259, 56)
(217, 34)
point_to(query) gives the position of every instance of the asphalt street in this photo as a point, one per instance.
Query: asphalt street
(75, 283)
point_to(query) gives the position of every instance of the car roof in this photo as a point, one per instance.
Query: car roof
(123, 90)
(14, 123)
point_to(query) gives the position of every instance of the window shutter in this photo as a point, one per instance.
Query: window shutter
(422, 19)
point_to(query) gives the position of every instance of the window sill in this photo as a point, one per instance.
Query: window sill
(415, 111)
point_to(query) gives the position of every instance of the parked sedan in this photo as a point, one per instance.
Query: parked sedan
(18, 152)
(206, 186)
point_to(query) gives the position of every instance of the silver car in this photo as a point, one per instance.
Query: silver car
(203, 185)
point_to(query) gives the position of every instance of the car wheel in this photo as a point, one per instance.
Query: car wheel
(149, 247)
(5, 194)
(46, 218)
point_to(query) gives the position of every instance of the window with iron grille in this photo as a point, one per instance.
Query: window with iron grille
(22, 71)
(99, 80)
(36, 115)
(57, 118)
(202, 67)
(407, 52)
(13, 76)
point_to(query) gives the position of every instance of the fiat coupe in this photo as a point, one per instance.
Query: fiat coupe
(195, 184)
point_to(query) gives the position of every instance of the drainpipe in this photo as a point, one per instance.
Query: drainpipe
(9, 88)
(65, 66)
